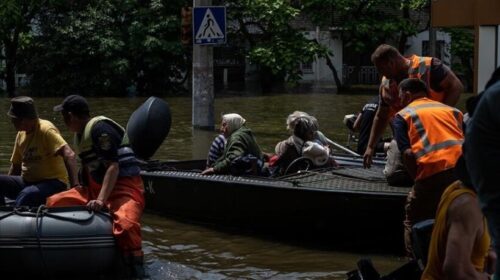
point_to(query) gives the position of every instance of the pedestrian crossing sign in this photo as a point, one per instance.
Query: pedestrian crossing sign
(209, 24)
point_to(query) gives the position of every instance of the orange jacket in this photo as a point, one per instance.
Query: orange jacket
(420, 68)
(435, 133)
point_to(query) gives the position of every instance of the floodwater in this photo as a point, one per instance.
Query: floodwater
(179, 250)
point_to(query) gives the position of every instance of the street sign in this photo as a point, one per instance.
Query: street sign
(209, 25)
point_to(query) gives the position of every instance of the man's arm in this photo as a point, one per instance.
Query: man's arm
(70, 162)
(410, 162)
(106, 142)
(452, 88)
(108, 184)
(380, 122)
(357, 122)
(14, 170)
(465, 223)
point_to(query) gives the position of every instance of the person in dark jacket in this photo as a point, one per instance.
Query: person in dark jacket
(241, 147)
(482, 153)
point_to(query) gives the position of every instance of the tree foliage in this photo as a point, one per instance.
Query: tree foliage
(273, 43)
(462, 48)
(364, 24)
(104, 47)
(16, 17)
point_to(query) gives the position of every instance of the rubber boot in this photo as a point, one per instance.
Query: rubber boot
(135, 267)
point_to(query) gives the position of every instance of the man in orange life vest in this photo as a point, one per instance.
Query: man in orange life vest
(111, 177)
(442, 83)
(429, 135)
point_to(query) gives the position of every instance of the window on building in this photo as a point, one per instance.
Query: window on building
(307, 68)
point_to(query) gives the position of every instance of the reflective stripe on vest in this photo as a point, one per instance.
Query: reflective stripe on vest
(87, 153)
(420, 68)
(445, 137)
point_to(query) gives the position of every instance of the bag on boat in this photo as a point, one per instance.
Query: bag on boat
(246, 165)
(317, 153)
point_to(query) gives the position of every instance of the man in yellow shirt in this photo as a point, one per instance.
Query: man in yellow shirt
(460, 243)
(41, 160)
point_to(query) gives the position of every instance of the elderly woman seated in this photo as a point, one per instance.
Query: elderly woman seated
(303, 144)
(242, 155)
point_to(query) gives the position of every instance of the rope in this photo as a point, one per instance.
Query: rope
(38, 223)
(307, 161)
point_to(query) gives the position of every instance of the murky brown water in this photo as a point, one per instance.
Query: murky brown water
(176, 250)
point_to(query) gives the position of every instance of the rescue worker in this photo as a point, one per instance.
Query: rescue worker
(460, 242)
(443, 85)
(111, 177)
(429, 135)
(41, 160)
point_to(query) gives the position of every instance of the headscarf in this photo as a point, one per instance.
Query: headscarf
(291, 120)
(234, 122)
(304, 127)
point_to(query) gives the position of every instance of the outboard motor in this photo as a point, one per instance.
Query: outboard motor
(148, 127)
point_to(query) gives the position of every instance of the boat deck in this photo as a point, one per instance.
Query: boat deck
(348, 180)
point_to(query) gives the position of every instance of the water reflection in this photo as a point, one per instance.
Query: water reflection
(184, 251)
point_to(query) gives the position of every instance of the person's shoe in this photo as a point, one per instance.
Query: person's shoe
(367, 271)
(353, 275)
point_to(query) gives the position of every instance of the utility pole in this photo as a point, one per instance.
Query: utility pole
(432, 41)
(203, 82)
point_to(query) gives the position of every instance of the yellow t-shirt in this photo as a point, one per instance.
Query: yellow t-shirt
(36, 153)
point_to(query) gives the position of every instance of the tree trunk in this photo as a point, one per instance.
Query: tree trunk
(11, 61)
(404, 36)
(330, 65)
(338, 83)
(10, 74)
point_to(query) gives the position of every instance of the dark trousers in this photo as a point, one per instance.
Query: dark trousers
(423, 200)
(28, 194)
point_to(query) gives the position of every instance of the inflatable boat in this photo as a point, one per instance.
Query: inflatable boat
(50, 242)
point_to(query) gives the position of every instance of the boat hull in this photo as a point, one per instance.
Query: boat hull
(337, 210)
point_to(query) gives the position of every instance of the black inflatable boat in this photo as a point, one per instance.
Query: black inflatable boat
(48, 242)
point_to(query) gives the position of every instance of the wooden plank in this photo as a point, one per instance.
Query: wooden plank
(460, 13)
(488, 12)
(451, 13)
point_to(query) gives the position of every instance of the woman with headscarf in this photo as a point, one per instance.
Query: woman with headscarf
(240, 143)
(291, 122)
(303, 143)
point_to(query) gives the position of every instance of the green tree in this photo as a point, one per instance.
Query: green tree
(462, 47)
(104, 47)
(273, 43)
(364, 24)
(16, 18)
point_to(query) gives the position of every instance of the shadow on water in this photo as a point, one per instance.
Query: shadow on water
(200, 252)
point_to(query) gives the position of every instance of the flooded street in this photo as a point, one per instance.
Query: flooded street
(181, 250)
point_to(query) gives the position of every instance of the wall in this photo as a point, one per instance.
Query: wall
(414, 45)
(321, 73)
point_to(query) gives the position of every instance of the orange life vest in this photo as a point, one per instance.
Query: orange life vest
(436, 135)
(420, 68)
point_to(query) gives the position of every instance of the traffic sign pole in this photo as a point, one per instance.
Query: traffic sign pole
(203, 82)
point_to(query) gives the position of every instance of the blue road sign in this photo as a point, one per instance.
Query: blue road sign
(209, 25)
